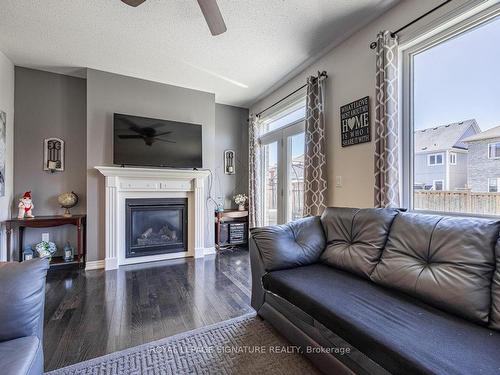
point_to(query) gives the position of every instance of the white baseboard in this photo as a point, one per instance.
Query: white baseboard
(94, 265)
(112, 263)
(209, 250)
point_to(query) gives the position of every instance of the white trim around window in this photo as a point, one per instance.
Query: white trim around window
(435, 184)
(452, 158)
(496, 150)
(466, 17)
(435, 159)
(280, 136)
(493, 184)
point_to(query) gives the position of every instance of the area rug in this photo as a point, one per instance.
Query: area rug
(244, 345)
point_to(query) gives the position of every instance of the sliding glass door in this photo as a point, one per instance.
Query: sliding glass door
(283, 173)
(271, 182)
(295, 181)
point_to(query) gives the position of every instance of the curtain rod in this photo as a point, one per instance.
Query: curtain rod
(373, 45)
(322, 74)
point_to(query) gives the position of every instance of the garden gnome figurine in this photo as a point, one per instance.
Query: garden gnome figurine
(25, 206)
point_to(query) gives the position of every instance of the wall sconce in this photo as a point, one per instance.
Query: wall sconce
(53, 155)
(229, 167)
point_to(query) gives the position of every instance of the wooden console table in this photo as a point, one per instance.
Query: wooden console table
(46, 222)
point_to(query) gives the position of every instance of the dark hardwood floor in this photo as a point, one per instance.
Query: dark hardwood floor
(92, 313)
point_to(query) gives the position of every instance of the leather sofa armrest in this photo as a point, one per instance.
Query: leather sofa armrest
(22, 296)
(291, 245)
(257, 269)
(272, 248)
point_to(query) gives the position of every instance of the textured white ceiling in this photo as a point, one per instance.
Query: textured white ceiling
(168, 40)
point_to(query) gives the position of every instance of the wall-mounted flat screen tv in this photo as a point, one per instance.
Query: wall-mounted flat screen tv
(141, 141)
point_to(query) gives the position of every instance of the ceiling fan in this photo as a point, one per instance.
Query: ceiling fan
(210, 11)
(148, 134)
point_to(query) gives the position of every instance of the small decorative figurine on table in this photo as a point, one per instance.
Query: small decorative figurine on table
(68, 252)
(25, 206)
(27, 253)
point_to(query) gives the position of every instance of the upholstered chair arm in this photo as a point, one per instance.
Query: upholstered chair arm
(22, 296)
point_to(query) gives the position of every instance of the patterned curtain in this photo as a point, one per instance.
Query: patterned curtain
(386, 122)
(315, 179)
(254, 187)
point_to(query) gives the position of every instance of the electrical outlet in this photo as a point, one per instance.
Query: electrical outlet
(46, 237)
(338, 181)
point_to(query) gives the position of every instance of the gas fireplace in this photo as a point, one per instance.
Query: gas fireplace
(155, 226)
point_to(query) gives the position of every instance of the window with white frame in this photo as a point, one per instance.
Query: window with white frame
(494, 150)
(283, 143)
(493, 185)
(435, 159)
(448, 102)
(438, 184)
(453, 158)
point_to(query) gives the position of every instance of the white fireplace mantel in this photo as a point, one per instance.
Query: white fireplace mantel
(123, 183)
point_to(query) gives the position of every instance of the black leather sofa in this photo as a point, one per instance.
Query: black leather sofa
(22, 299)
(377, 291)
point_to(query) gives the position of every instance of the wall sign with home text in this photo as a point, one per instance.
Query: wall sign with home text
(355, 122)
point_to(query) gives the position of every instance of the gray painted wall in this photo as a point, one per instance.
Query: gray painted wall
(231, 133)
(108, 93)
(480, 166)
(49, 105)
(7, 105)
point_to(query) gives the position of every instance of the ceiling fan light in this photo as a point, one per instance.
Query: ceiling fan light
(133, 3)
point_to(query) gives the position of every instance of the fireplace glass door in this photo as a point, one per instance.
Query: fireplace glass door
(156, 226)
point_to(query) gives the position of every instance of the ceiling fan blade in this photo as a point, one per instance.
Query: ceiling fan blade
(213, 16)
(164, 140)
(160, 134)
(133, 3)
(130, 136)
(157, 125)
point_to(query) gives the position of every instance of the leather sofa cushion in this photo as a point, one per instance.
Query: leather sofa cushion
(447, 262)
(22, 296)
(402, 334)
(356, 237)
(495, 293)
(21, 356)
(300, 242)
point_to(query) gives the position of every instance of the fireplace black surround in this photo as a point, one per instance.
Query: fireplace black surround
(155, 226)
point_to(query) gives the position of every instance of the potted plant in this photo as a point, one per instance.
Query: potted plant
(240, 200)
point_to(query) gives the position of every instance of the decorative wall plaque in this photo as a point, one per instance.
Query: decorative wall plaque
(53, 155)
(229, 162)
(355, 122)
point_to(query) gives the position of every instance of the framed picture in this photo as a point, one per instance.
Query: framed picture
(3, 150)
(355, 122)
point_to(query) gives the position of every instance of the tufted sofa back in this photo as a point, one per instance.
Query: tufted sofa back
(356, 237)
(451, 263)
(495, 292)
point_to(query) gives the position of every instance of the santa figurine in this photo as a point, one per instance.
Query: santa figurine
(25, 206)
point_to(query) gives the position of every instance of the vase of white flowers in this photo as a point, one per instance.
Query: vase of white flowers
(240, 200)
